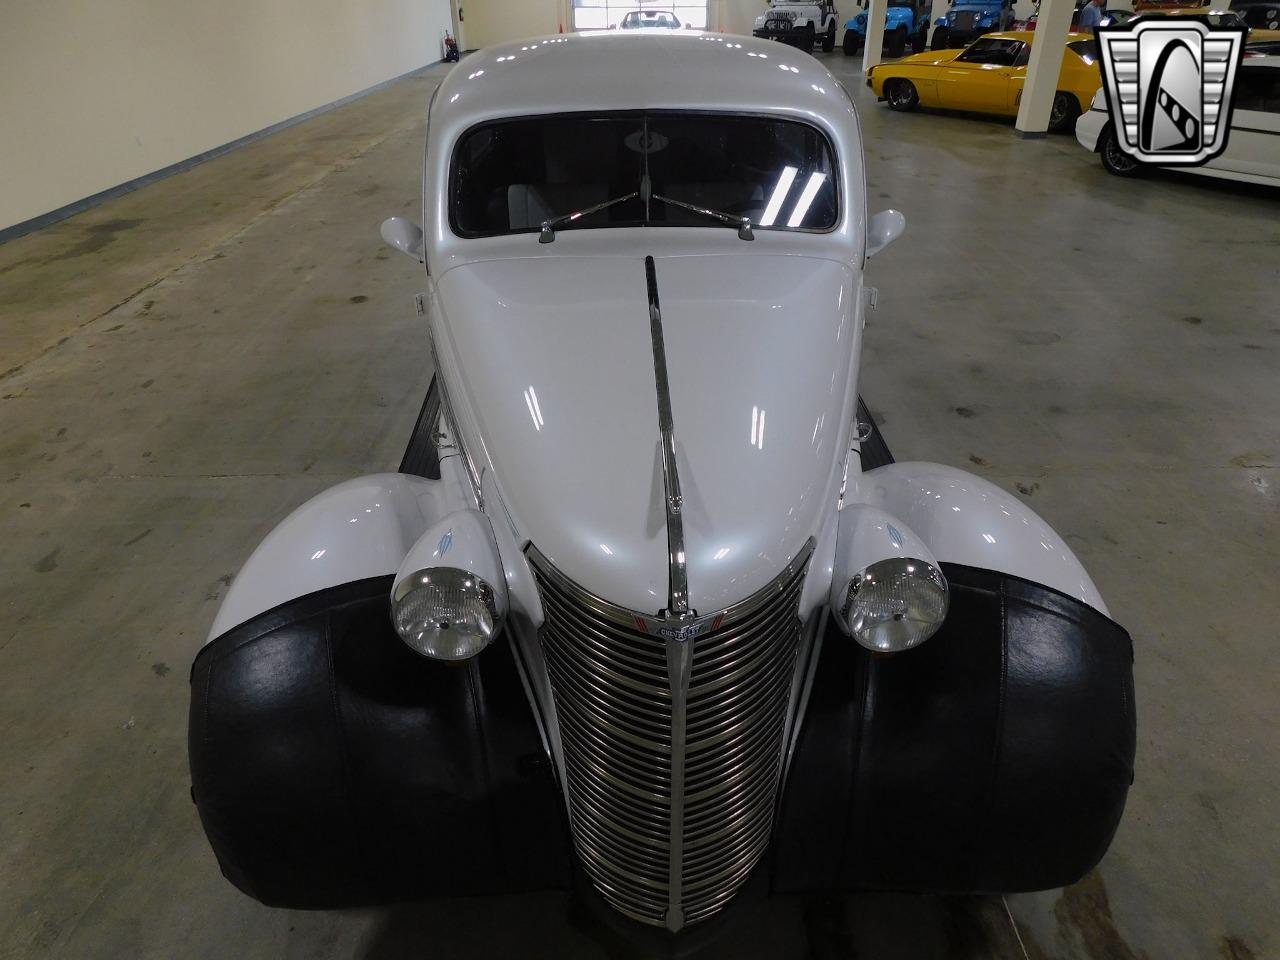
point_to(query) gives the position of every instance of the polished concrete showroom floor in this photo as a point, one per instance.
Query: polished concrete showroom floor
(186, 363)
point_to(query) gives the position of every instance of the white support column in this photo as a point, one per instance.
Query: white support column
(1050, 42)
(875, 33)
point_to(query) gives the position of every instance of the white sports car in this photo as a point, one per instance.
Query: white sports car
(1253, 145)
(649, 611)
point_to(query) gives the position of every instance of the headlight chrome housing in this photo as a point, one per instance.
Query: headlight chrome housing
(444, 613)
(895, 604)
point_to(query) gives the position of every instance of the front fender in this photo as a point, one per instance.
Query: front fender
(359, 529)
(966, 520)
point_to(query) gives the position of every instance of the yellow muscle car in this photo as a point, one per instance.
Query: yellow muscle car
(987, 77)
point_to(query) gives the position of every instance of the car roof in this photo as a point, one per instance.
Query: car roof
(680, 70)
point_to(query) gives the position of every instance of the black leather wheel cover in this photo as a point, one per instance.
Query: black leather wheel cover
(996, 757)
(334, 767)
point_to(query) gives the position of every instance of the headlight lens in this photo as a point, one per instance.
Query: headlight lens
(895, 604)
(444, 613)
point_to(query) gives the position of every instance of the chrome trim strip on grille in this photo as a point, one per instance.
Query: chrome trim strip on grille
(678, 594)
(673, 747)
(679, 663)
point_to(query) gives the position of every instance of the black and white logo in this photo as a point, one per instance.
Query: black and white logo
(1169, 84)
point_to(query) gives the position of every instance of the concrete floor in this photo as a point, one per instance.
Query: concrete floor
(183, 365)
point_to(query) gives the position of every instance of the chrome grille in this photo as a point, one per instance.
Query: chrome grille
(963, 20)
(612, 684)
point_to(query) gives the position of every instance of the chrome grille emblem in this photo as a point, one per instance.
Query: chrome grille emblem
(672, 745)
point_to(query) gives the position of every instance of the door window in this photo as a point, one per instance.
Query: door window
(1086, 50)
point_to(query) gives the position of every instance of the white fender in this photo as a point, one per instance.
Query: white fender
(965, 519)
(464, 541)
(361, 528)
(868, 535)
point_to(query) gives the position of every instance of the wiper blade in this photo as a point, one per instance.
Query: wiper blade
(547, 233)
(742, 223)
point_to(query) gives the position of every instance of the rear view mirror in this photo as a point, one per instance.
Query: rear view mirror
(404, 235)
(884, 228)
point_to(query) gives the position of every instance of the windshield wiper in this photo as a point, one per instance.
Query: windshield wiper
(742, 223)
(547, 233)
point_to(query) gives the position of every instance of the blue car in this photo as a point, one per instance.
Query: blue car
(969, 19)
(905, 22)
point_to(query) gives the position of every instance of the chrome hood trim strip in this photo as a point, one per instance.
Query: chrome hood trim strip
(678, 590)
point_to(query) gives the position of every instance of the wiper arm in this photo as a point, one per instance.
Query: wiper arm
(547, 234)
(742, 223)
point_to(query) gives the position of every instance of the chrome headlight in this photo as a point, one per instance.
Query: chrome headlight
(895, 604)
(444, 613)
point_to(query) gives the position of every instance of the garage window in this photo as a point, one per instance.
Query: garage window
(607, 14)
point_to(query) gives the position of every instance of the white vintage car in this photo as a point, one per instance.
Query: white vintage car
(648, 611)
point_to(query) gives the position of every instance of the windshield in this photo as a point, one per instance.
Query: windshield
(512, 175)
(1002, 53)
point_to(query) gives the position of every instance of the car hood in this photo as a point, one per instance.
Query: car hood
(928, 58)
(553, 360)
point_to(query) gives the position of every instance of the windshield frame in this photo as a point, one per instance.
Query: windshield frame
(836, 169)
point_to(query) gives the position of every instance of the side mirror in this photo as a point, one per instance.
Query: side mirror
(404, 235)
(882, 229)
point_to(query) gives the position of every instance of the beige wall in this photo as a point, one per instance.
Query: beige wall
(94, 93)
(486, 22)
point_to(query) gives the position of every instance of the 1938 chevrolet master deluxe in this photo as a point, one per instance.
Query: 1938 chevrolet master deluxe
(648, 610)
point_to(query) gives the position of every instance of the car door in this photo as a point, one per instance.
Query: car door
(979, 78)
(1253, 146)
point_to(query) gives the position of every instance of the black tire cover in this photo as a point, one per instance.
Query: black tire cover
(334, 767)
(995, 757)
